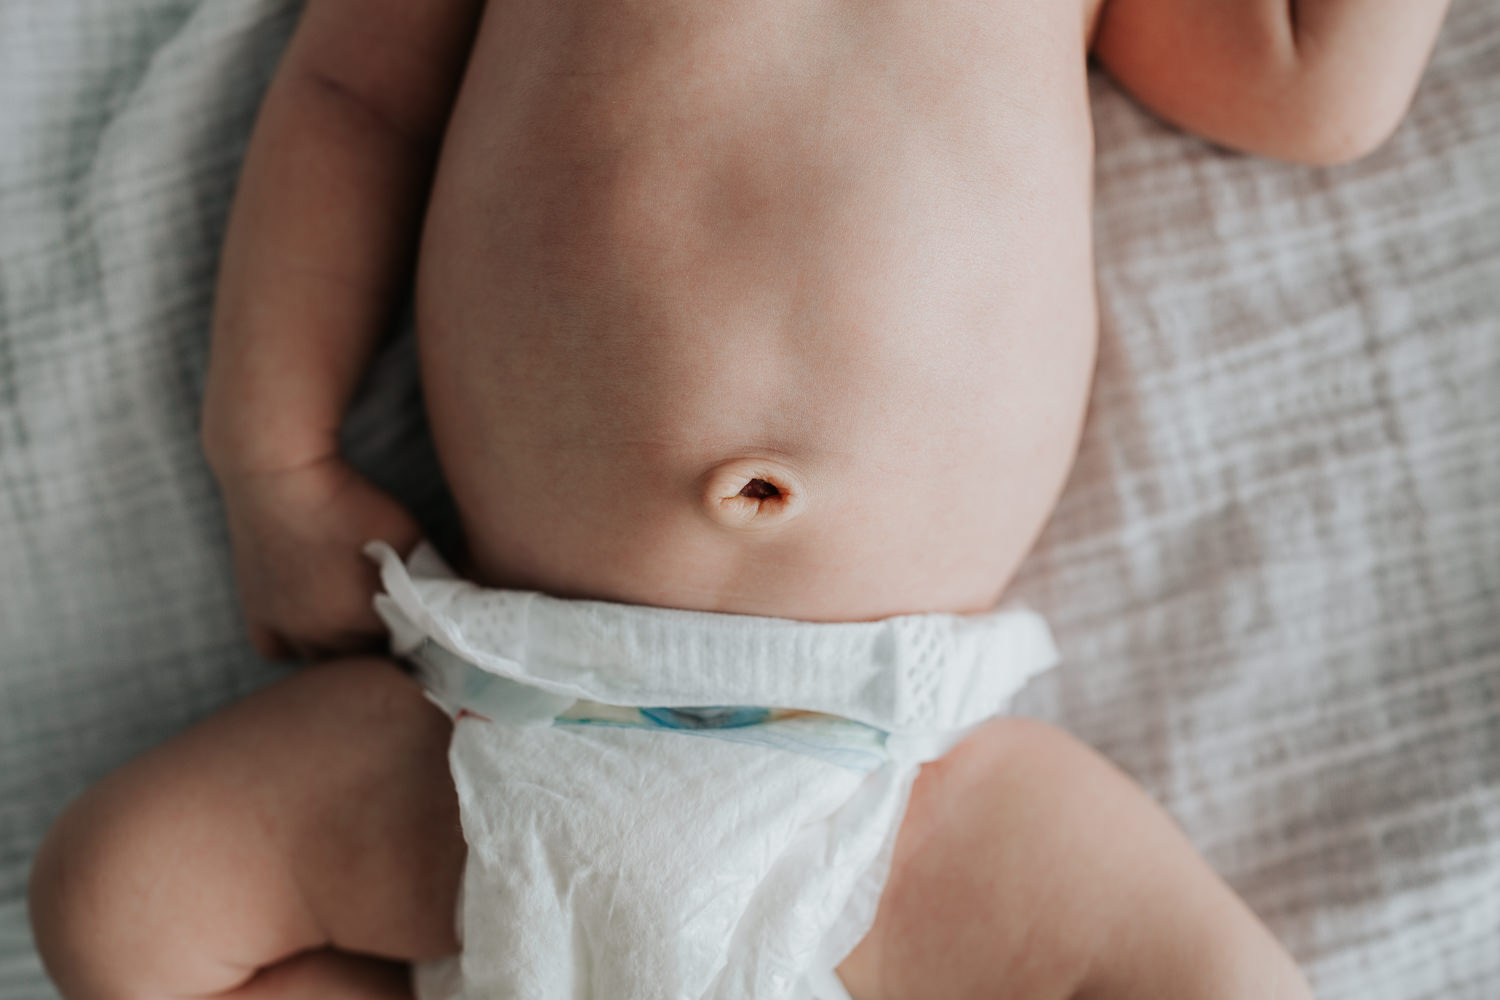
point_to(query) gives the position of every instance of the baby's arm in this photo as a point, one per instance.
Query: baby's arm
(320, 241)
(1315, 81)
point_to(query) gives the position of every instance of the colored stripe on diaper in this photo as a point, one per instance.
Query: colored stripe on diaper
(464, 691)
(840, 742)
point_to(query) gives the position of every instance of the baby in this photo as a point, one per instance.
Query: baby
(779, 309)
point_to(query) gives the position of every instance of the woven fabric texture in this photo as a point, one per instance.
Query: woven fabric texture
(1274, 575)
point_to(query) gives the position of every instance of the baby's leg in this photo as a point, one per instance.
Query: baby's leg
(271, 851)
(1029, 867)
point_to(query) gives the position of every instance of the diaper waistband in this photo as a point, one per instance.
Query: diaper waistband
(910, 675)
(464, 691)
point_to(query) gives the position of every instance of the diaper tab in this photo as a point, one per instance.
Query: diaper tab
(458, 688)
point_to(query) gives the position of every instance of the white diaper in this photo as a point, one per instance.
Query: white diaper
(628, 843)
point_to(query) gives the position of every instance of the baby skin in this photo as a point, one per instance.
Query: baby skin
(780, 308)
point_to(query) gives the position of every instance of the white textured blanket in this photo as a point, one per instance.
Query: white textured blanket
(1275, 576)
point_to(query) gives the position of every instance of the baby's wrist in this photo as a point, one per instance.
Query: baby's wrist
(239, 452)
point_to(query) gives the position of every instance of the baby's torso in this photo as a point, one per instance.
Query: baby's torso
(848, 241)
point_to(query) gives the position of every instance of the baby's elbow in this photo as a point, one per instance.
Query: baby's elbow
(1324, 126)
(1332, 146)
(1339, 139)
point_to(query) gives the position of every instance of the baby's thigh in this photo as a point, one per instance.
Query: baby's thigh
(317, 812)
(975, 905)
(1030, 867)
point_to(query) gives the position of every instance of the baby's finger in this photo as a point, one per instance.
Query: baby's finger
(400, 531)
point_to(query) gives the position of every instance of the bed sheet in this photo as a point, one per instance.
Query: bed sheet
(1275, 572)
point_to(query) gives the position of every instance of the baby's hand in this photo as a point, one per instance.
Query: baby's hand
(304, 583)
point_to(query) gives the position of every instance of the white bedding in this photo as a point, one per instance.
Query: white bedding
(1275, 574)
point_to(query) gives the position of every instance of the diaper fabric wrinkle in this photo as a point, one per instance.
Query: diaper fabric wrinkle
(678, 805)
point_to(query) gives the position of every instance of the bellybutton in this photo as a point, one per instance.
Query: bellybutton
(751, 493)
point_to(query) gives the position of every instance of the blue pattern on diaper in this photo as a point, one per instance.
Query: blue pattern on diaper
(464, 690)
(841, 742)
(714, 717)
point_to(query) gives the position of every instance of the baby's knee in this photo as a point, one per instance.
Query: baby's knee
(187, 869)
(140, 892)
(52, 918)
(87, 904)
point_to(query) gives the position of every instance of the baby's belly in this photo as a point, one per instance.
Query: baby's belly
(850, 245)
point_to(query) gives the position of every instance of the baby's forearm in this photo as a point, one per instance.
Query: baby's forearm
(1320, 81)
(325, 223)
(1376, 48)
(1401, 30)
